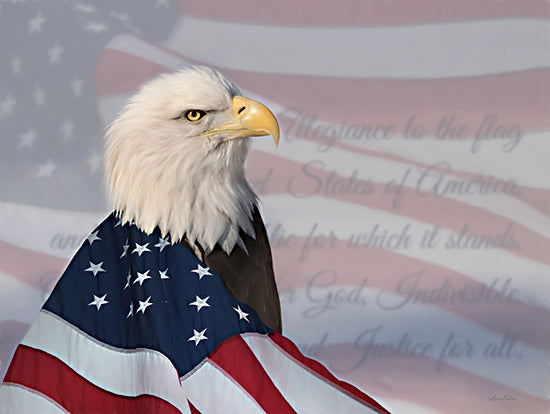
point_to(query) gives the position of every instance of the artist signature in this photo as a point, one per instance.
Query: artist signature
(505, 397)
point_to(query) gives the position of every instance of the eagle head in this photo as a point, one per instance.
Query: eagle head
(174, 158)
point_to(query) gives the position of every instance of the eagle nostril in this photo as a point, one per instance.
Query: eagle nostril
(241, 110)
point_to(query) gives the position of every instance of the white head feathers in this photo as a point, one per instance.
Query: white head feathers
(161, 173)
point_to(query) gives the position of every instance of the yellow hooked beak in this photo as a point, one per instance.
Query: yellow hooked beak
(252, 119)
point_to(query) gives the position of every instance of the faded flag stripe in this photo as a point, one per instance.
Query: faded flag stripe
(413, 52)
(363, 12)
(32, 267)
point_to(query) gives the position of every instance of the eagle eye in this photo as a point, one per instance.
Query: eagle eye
(194, 115)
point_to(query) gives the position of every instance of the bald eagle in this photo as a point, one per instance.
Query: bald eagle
(136, 323)
(175, 160)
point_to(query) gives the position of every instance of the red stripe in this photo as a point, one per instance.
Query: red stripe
(292, 350)
(193, 408)
(35, 268)
(46, 374)
(362, 12)
(119, 72)
(239, 362)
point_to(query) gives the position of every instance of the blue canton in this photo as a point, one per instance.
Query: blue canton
(133, 290)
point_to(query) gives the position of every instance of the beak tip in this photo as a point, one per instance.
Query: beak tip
(275, 135)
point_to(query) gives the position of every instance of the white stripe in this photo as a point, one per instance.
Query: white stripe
(16, 399)
(211, 391)
(110, 106)
(420, 51)
(61, 232)
(402, 406)
(124, 372)
(359, 331)
(483, 265)
(19, 301)
(305, 391)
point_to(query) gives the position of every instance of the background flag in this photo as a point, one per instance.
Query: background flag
(407, 203)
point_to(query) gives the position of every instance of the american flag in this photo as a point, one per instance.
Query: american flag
(407, 203)
(138, 324)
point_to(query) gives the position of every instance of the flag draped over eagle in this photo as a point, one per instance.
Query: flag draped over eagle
(139, 324)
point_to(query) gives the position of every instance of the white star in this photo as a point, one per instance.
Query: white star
(96, 27)
(131, 313)
(128, 280)
(46, 170)
(76, 86)
(144, 305)
(95, 268)
(125, 247)
(141, 248)
(242, 314)
(162, 243)
(94, 160)
(93, 237)
(35, 24)
(86, 8)
(16, 66)
(6, 106)
(163, 274)
(26, 139)
(54, 54)
(98, 302)
(198, 336)
(39, 97)
(141, 277)
(123, 17)
(202, 271)
(67, 129)
(200, 303)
